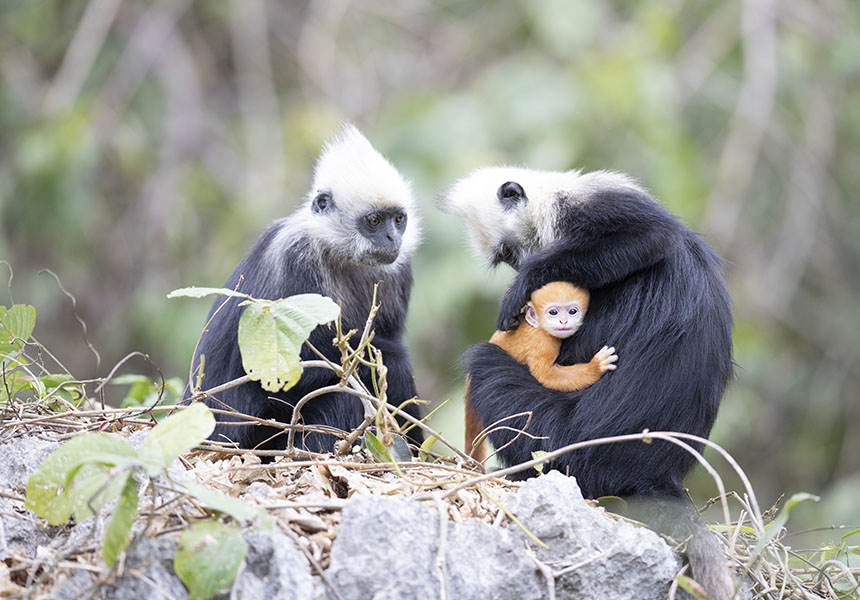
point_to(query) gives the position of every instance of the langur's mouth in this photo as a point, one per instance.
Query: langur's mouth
(380, 257)
(563, 332)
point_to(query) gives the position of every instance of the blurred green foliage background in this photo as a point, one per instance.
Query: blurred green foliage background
(145, 145)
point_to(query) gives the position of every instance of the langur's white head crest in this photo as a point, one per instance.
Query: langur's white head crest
(351, 180)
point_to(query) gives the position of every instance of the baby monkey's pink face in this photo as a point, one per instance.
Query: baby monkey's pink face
(559, 319)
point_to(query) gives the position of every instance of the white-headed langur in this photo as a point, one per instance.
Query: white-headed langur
(357, 227)
(657, 292)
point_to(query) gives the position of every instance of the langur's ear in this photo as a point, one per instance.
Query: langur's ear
(532, 316)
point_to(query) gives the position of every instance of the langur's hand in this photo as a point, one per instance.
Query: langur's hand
(513, 302)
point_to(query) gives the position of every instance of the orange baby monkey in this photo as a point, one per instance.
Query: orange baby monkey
(554, 313)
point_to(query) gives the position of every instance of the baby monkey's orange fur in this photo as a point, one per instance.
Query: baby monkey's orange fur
(554, 313)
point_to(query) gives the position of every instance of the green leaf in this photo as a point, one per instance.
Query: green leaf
(200, 292)
(129, 379)
(848, 535)
(16, 326)
(228, 505)
(145, 392)
(15, 382)
(536, 455)
(728, 529)
(175, 435)
(210, 554)
(78, 478)
(53, 381)
(613, 504)
(118, 532)
(399, 450)
(426, 446)
(374, 446)
(692, 587)
(271, 334)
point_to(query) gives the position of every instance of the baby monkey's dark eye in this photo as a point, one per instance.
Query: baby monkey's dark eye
(572, 311)
(553, 312)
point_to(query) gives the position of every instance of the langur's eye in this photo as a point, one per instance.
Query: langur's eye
(400, 218)
(572, 311)
(553, 311)
(373, 220)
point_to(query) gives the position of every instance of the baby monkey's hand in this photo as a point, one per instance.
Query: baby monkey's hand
(605, 359)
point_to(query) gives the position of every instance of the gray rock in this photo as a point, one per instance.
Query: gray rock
(489, 562)
(387, 548)
(259, 490)
(149, 573)
(384, 549)
(21, 458)
(612, 559)
(274, 568)
(74, 586)
(21, 532)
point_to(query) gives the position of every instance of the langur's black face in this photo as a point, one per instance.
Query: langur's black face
(380, 230)
(383, 228)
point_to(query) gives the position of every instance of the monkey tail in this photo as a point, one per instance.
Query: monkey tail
(676, 518)
(708, 565)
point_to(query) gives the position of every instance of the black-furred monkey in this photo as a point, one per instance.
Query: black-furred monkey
(357, 227)
(657, 292)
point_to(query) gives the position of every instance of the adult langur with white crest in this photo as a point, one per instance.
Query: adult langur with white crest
(357, 227)
(656, 291)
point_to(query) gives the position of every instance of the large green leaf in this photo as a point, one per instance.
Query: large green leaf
(79, 476)
(271, 334)
(118, 532)
(208, 558)
(16, 326)
(175, 435)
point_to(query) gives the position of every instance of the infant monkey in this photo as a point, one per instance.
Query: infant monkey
(554, 313)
